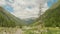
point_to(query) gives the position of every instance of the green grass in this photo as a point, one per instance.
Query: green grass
(46, 30)
(51, 30)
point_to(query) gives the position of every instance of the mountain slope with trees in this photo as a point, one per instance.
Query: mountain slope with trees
(9, 20)
(51, 18)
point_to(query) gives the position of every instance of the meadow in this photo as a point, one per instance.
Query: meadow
(30, 30)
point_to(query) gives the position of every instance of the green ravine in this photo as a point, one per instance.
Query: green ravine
(47, 23)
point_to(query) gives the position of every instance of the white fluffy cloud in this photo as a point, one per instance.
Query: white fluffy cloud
(26, 8)
(2, 2)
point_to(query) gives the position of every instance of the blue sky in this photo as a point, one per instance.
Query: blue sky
(9, 8)
(50, 2)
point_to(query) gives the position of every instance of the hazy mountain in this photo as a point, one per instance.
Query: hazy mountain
(29, 21)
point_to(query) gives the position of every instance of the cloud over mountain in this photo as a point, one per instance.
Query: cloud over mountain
(25, 8)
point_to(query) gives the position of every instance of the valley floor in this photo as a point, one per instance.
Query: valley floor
(30, 30)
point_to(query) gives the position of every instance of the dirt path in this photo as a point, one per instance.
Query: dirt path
(19, 31)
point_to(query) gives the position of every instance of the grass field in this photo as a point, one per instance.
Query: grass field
(52, 30)
(46, 30)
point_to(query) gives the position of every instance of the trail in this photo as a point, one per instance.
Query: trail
(19, 31)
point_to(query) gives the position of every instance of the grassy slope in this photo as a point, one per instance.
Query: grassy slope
(52, 16)
(7, 19)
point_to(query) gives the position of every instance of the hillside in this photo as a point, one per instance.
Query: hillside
(8, 20)
(51, 18)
